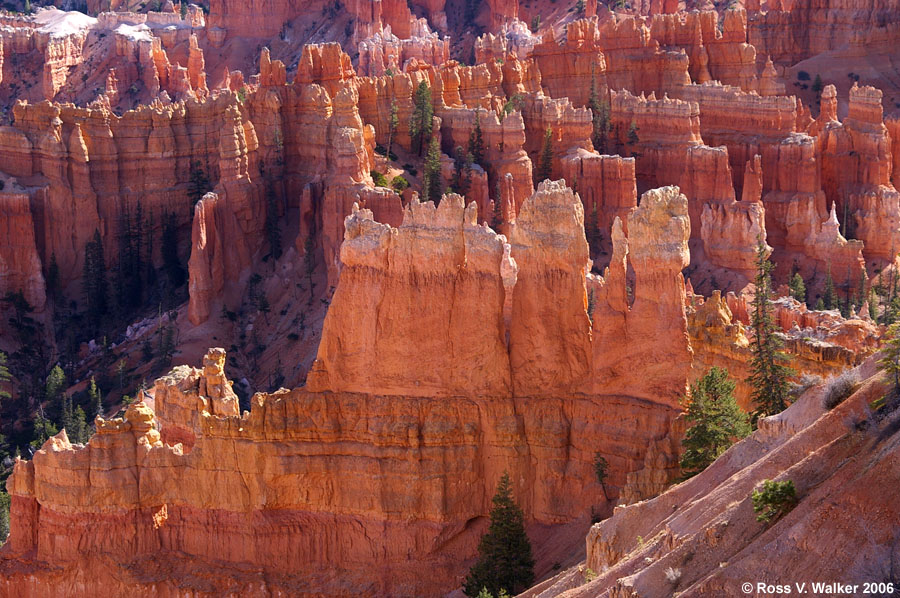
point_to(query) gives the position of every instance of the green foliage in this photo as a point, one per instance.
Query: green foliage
(242, 94)
(198, 185)
(43, 430)
(420, 120)
(393, 123)
(184, 9)
(545, 160)
(774, 500)
(171, 264)
(5, 376)
(95, 400)
(399, 183)
(462, 171)
(600, 120)
(432, 183)
(768, 374)
(497, 219)
(592, 231)
(273, 223)
(504, 553)
(829, 298)
(579, 6)
(379, 179)
(818, 86)
(633, 138)
(55, 385)
(96, 287)
(511, 105)
(601, 467)
(130, 267)
(309, 260)
(54, 284)
(535, 23)
(476, 142)
(889, 363)
(715, 419)
(798, 288)
(4, 517)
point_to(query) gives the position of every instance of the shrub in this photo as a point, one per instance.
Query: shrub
(672, 575)
(774, 500)
(380, 180)
(802, 76)
(839, 387)
(399, 184)
(380, 150)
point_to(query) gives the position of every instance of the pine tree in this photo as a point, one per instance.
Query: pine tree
(462, 171)
(798, 288)
(592, 231)
(545, 161)
(420, 120)
(432, 183)
(4, 516)
(56, 383)
(504, 553)
(43, 430)
(715, 418)
(497, 219)
(599, 117)
(601, 468)
(889, 363)
(80, 430)
(309, 260)
(873, 304)
(393, 123)
(54, 283)
(96, 288)
(273, 225)
(633, 138)
(94, 398)
(476, 142)
(768, 374)
(171, 264)
(829, 298)
(198, 185)
(5, 377)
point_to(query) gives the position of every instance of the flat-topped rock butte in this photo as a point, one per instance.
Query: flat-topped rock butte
(287, 287)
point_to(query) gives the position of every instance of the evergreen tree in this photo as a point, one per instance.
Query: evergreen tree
(476, 142)
(462, 171)
(5, 377)
(4, 517)
(54, 284)
(309, 260)
(273, 227)
(601, 468)
(393, 123)
(56, 384)
(130, 268)
(432, 183)
(599, 117)
(633, 139)
(96, 287)
(504, 553)
(171, 264)
(592, 231)
(715, 418)
(545, 161)
(94, 398)
(889, 363)
(43, 430)
(420, 120)
(497, 220)
(829, 298)
(798, 288)
(873, 304)
(80, 429)
(198, 185)
(768, 374)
